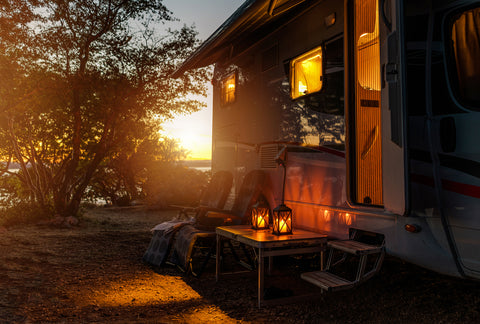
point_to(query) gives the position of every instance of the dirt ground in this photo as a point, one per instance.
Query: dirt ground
(93, 273)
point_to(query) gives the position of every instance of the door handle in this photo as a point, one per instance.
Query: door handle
(373, 139)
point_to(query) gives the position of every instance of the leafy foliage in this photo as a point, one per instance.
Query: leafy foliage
(83, 84)
(173, 184)
(123, 177)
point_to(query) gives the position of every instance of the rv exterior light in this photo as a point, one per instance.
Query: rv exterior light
(330, 20)
(412, 228)
(306, 73)
(282, 220)
(260, 215)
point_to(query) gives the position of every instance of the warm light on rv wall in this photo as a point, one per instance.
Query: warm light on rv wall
(306, 73)
(228, 87)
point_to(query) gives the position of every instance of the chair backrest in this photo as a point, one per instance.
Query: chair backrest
(217, 191)
(249, 192)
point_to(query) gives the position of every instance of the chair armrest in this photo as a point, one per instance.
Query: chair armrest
(223, 215)
(184, 208)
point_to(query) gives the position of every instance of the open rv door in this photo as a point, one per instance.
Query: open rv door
(394, 140)
(376, 113)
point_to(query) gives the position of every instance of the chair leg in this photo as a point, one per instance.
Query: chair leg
(232, 249)
(210, 252)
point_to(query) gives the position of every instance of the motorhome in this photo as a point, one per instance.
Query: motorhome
(374, 107)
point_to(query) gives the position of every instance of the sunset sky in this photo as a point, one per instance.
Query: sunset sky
(195, 131)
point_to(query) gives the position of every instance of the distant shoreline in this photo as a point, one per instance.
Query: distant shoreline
(196, 163)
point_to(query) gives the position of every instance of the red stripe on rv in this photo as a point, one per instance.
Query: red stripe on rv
(461, 188)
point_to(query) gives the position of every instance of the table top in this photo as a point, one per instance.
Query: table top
(265, 239)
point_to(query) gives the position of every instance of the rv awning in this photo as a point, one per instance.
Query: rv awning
(251, 15)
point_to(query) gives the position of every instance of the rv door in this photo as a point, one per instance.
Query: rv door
(376, 112)
(394, 160)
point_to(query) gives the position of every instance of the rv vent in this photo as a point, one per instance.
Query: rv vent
(267, 156)
(270, 58)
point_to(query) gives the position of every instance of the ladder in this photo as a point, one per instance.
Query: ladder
(329, 281)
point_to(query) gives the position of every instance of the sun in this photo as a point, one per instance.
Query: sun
(194, 133)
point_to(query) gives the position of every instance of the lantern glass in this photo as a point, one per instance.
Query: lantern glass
(282, 220)
(260, 216)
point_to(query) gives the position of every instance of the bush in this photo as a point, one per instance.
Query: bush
(15, 205)
(22, 213)
(171, 184)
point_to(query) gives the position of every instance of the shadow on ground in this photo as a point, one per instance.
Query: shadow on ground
(94, 273)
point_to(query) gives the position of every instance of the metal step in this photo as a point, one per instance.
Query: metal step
(327, 281)
(354, 247)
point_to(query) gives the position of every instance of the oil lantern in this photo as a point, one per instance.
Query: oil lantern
(282, 220)
(282, 216)
(260, 215)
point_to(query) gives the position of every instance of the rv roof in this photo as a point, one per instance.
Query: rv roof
(251, 15)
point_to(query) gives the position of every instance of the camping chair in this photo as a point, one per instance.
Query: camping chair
(213, 198)
(201, 235)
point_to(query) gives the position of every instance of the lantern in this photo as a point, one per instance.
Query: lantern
(282, 220)
(260, 215)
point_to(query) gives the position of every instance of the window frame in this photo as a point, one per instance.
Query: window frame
(291, 76)
(224, 102)
(450, 60)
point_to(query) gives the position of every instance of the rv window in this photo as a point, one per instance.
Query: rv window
(465, 39)
(368, 46)
(228, 89)
(306, 73)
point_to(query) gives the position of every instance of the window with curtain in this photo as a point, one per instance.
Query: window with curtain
(306, 73)
(228, 89)
(465, 37)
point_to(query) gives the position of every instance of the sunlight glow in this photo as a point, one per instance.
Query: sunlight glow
(152, 289)
(194, 133)
(140, 292)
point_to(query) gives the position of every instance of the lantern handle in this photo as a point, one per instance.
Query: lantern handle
(281, 159)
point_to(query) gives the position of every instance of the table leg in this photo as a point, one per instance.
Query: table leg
(261, 272)
(217, 258)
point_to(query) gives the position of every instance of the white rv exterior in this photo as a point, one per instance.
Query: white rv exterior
(387, 141)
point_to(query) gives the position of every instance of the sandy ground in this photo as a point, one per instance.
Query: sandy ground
(93, 273)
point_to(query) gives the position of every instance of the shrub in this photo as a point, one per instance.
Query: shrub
(16, 207)
(22, 213)
(172, 184)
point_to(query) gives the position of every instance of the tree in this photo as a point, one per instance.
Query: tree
(86, 79)
(124, 175)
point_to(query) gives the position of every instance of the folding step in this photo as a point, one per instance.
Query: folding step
(354, 247)
(327, 281)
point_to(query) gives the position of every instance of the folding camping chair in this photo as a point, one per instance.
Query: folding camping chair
(201, 235)
(213, 198)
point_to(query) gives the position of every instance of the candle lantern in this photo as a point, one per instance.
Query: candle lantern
(282, 216)
(282, 220)
(260, 215)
